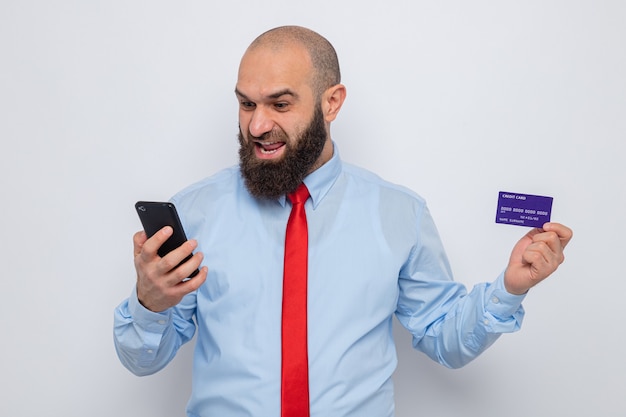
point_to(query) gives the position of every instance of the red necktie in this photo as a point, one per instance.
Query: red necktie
(295, 366)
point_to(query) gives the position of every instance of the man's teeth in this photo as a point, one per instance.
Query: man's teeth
(273, 147)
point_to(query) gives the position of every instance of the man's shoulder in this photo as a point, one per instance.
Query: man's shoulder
(223, 182)
(365, 178)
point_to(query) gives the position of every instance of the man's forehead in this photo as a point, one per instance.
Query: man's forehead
(269, 72)
(288, 57)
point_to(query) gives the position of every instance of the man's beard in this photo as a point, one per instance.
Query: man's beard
(270, 179)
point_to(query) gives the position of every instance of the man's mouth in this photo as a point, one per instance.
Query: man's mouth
(268, 148)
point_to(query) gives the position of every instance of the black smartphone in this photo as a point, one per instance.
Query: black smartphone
(154, 216)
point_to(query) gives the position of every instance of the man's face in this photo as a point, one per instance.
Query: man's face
(282, 131)
(273, 177)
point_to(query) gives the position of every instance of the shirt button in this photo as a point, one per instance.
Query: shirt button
(486, 322)
(149, 351)
(495, 300)
(161, 321)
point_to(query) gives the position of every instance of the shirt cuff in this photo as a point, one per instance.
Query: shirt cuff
(146, 319)
(500, 303)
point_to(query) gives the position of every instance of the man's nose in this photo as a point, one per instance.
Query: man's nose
(260, 123)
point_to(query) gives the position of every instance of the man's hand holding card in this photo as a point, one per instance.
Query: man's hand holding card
(536, 256)
(539, 253)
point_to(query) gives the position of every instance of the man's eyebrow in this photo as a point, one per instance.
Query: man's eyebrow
(284, 92)
(240, 94)
(273, 96)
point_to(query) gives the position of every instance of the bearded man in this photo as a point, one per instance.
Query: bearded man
(371, 251)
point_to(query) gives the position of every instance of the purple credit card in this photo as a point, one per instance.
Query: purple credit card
(523, 209)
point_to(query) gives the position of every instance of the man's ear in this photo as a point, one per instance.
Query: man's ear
(332, 100)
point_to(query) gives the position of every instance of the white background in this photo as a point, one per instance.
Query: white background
(103, 103)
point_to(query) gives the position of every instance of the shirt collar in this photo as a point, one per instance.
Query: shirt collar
(320, 181)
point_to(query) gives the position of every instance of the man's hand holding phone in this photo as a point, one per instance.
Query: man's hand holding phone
(161, 281)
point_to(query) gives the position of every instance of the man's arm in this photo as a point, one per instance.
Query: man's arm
(157, 318)
(146, 341)
(453, 327)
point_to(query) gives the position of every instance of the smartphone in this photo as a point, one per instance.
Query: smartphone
(154, 216)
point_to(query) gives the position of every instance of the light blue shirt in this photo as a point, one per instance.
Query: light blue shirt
(373, 251)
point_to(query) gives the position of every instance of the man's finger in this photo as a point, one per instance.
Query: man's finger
(139, 239)
(565, 233)
(171, 266)
(152, 245)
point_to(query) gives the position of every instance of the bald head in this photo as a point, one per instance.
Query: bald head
(322, 54)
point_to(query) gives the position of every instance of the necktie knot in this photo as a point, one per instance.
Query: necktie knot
(300, 195)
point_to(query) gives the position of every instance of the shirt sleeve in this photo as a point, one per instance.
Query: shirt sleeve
(449, 324)
(146, 341)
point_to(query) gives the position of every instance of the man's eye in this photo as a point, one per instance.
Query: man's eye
(246, 104)
(281, 106)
